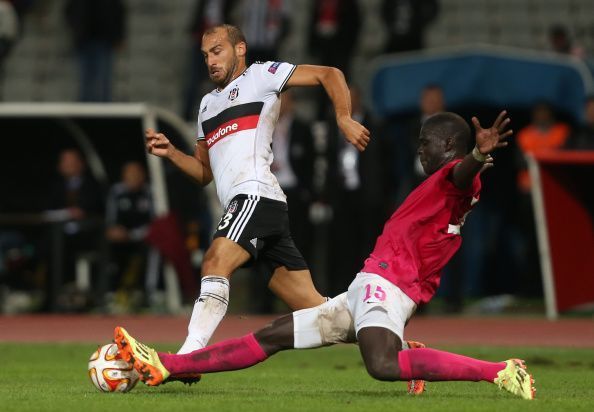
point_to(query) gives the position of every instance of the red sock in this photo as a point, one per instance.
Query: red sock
(228, 355)
(435, 365)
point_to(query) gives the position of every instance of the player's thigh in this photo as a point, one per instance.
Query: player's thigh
(377, 302)
(291, 279)
(323, 325)
(223, 257)
(232, 245)
(295, 288)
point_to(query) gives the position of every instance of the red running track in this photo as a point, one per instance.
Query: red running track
(435, 331)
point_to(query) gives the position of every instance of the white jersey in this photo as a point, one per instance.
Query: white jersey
(237, 124)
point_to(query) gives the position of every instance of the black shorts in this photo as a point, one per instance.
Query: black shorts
(261, 226)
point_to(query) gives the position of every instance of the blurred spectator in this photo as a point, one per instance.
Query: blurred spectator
(561, 42)
(184, 234)
(78, 197)
(543, 133)
(357, 191)
(129, 207)
(293, 166)
(128, 215)
(21, 7)
(9, 28)
(265, 23)
(406, 21)
(97, 28)
(583, 137)
(293, 150)
(207, 13)
(409, 172)
(333, 32)
(19, 288)
(432, 102)
(74, 189)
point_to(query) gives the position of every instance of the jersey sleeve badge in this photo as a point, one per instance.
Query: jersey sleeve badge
(274, 67)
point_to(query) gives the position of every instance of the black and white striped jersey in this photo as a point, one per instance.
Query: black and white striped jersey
(237, 124)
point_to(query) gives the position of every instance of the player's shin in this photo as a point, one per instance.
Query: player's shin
(435, 365)
(209, 310)
(229, 355)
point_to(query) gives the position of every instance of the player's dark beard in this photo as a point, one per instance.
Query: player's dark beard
(229, 77)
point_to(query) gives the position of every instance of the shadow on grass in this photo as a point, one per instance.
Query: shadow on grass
(391, 393)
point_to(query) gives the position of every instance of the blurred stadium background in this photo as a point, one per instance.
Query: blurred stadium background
(73, 163)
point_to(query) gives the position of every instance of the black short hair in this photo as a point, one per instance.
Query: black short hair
(234, 33)
(445, 125)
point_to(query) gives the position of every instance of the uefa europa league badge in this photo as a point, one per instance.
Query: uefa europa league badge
(234, 93)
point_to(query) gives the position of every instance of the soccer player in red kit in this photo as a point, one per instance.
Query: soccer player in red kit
(403, 271)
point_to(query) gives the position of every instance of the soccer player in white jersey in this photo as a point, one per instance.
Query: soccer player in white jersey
(235, 125)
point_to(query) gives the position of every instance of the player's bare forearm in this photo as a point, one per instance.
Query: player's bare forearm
(197, 167)
(193, 166)
(465, 171)
(337, 89)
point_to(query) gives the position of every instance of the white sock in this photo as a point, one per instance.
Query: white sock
(209, 310)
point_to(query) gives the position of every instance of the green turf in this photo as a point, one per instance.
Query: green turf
(44, 377)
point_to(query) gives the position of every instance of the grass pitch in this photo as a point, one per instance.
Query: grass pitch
(53, 377)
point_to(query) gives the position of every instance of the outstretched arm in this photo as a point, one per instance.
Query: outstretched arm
(337, 89)
(197, 166)
(487, 140)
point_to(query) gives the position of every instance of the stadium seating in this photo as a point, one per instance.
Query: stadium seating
(521, 23)
(42, 66)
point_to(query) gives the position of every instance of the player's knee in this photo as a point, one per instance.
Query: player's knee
(276, 336)
(213, 261)
(383, 369)
(209, 263)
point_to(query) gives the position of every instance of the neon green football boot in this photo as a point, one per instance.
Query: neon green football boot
(516, 380)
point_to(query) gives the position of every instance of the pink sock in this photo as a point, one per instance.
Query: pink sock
(435, 365)
(228, 355)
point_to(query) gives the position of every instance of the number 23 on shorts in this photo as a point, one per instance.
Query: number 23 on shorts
(374, 291)
(225, 220)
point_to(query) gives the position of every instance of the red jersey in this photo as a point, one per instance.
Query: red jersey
(423, 234)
